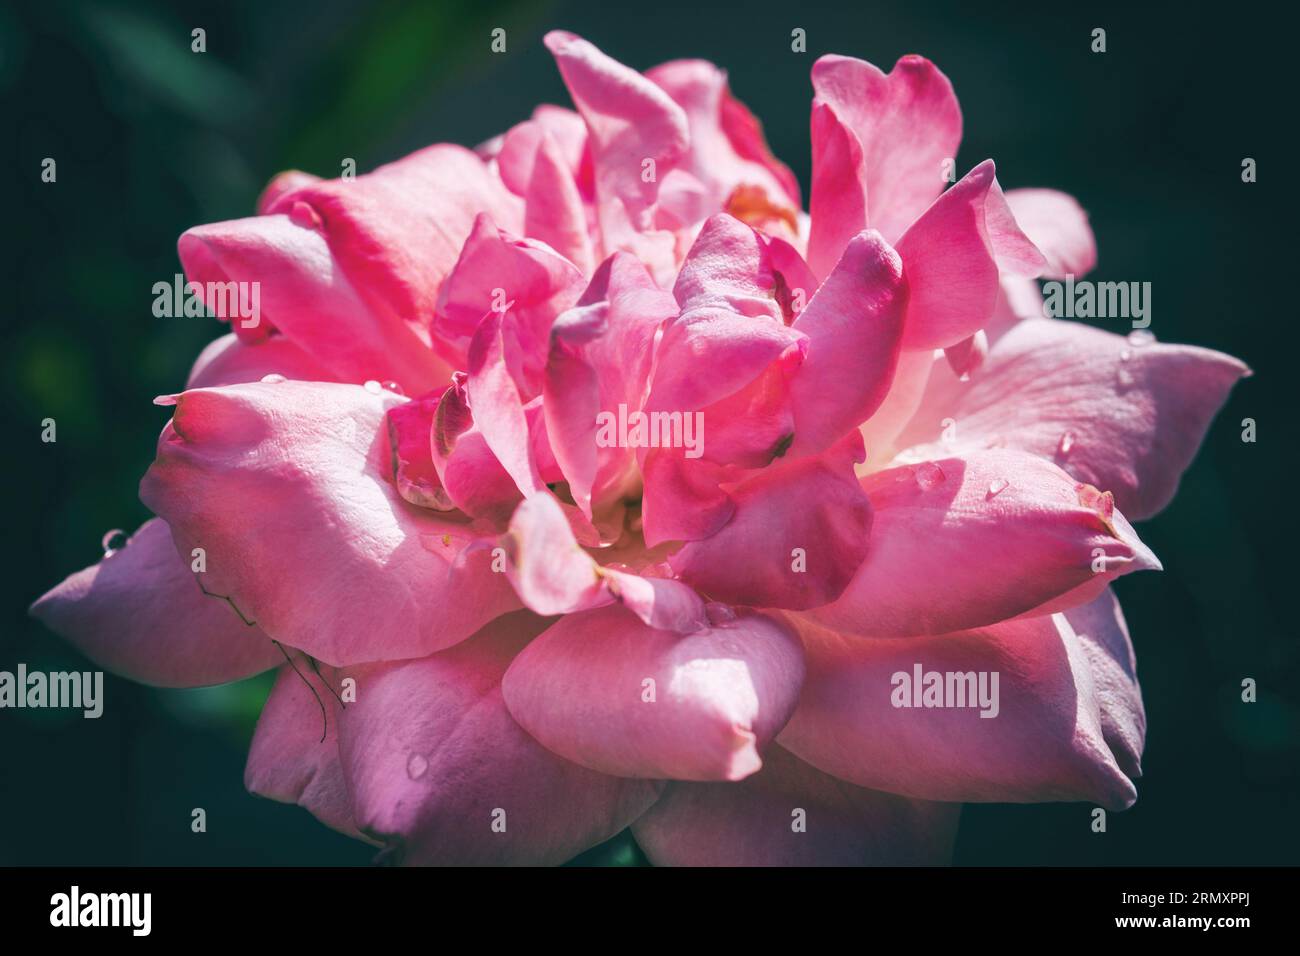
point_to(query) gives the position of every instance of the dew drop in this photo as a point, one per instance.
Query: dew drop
(275, 378)
(1125, 355)
(113, 541)
(1124, 377)
(928, 475)
(373, 387)
(416, 766)
(997, 486)
(1066, 443)
(719, 613)
(1141, 337)
(393, 387)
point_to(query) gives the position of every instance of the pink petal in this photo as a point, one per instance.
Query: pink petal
(953, 255)
(413, 472)
(727, 149)
(1044, 742)
(838, 206)
(1103, 635)
(534, 166)
(470, 475)
(756, 822)
(283, 184)
(606, 691)
(600, 359)
(397, 231)
(907, 121)
(802, 528)
(307, 295)
(854, 325)
(553, 575)
(1125, 417)
(434, 760)
(1057, 225)
(629, 120)
(966, 542)
(288, 761)
(520, 279)
(248, 471)
(228, 361)
(731, 323)
(141, 613)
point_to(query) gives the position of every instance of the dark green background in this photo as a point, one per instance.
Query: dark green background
(151, 138)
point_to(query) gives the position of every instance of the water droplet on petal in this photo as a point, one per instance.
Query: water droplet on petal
(393, 387)
(113, 541)
(275, 378)
(719, 613)
(928, 475)
(1141, 337)
(1125, 355)
(416, 766)
(1066, 443)
(373, 387)
(997, 486)
(1124, 377)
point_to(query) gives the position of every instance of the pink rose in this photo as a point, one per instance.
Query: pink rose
(585, 481)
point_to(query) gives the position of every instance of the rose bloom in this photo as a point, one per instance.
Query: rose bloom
(848, 453)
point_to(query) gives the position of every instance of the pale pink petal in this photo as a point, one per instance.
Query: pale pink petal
(610, 693)
(283, 184)
(791, 814)
(141, 612)
(908, 123)
(1125, 416)
(1042, 739)
(285, 488)
(966, 542)
(441, 774)
(1058, 226)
